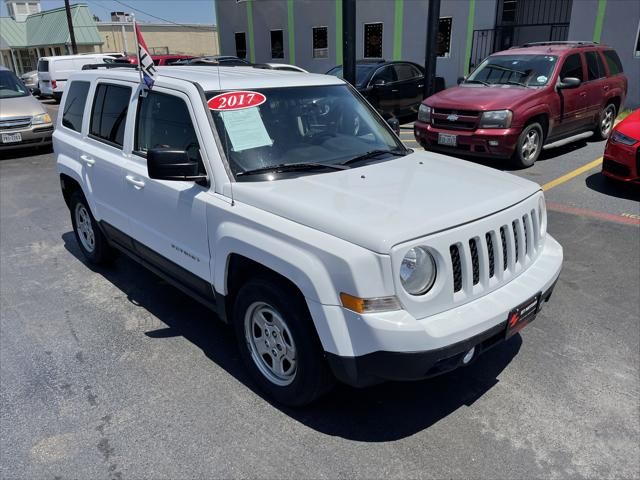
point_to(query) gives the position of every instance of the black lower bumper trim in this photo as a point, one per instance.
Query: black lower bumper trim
(377, 367)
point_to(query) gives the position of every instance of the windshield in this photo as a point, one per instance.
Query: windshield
(11, 86)
(320, 125)
(362, 73)
(526, 70)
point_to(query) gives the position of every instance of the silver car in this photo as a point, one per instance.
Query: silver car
(30, 79)
(23, 120)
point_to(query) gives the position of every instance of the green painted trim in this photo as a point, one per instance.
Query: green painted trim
(291, 31)
(470, 24)
(597, 29)
(338, 32)
(398, 22)
(252, 45)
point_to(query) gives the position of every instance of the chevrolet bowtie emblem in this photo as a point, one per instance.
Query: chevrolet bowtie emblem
(453, 117)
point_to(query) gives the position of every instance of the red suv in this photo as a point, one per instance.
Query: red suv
(520, 99)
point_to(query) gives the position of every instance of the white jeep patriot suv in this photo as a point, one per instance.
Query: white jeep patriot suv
(285, 203)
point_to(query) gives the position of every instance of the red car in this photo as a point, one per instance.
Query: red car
(157, 59)
(621, 159)
(518, 100)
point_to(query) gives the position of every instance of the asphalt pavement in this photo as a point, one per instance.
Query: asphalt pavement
(112, 373)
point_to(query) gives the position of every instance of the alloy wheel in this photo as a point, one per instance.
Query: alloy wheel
(84, 228)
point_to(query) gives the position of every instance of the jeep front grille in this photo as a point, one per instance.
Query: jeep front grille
(476, 261)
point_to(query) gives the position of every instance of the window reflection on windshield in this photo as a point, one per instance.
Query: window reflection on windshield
(526, 70)
(11, 86)
(322, 124)
(362, 73)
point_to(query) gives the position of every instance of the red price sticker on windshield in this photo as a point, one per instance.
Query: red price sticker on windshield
(236, 100)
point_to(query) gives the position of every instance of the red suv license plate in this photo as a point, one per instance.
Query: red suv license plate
(522, 315)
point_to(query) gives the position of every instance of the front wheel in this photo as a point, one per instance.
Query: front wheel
(529, 146)
(605, 122)
(278, 343)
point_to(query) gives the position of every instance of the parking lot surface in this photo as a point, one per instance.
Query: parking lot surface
(112, 373)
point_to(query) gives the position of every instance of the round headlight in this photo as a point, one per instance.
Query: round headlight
(418, 271)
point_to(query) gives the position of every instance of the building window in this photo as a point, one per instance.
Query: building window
(444, 37)
(277, 44)
(373, 40)
(320, 42)
(509, 10)
(241, 45)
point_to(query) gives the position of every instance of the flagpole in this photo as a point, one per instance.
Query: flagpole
(135, 36)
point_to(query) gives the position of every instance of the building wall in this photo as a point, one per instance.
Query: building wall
(185, 40)
(619, 29)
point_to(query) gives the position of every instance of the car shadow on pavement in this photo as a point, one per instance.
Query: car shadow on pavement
(381, 413)
(25, 152)
(601, 184)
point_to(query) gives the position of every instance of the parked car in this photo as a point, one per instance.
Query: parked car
(280, 66)
(621, 159)
(30, 79)
(393, 88)
(53, 72)
(286, 204)
(159, 60)
(23, 120)
(222, 60)
(519, 100)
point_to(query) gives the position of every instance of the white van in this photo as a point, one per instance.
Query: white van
(53, 72)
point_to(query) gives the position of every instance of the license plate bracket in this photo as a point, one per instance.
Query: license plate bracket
(447, 139)
(11, 137)
(522, 315)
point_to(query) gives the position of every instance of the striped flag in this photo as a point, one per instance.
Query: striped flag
(145, 63)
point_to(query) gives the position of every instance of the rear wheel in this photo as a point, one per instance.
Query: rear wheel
(93, 244)
(278, 343)
(605, 122)
(529, 146)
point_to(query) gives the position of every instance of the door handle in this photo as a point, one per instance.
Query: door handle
(421, 85)
(394, 91)
(606, 87)
(137, 184)
(87, 160)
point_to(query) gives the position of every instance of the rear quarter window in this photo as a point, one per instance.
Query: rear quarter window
(109, 113)
(43, 66)
(613, 62)
(74, 105)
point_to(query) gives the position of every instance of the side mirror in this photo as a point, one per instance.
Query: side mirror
(172, 164)
(569, 82)
(394, 123)
(461, 79)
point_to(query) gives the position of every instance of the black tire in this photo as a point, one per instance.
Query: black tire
(91, 240)
(606, 120)
(525, 155)
(311, 377)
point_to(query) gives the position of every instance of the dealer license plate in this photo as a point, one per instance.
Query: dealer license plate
(11, 137)
(447, 139)
(522, 315)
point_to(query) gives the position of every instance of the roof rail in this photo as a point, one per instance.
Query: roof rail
(574, 43)
(96, 66)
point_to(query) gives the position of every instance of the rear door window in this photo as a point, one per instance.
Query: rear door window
(74, 105)
(613, 62)
(595, 67)
(43, 66)
(109, 113)
(387, 74)
(405, 71)
(572, 67)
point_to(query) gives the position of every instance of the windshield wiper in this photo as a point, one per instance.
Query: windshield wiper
(291, 167)
(486, 84)
(374, 153)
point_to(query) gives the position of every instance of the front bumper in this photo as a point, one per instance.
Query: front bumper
(621, 162)
(470, 142)
(367, 349)
(34, 136)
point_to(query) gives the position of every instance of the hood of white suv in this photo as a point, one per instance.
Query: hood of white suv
(390, 202)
